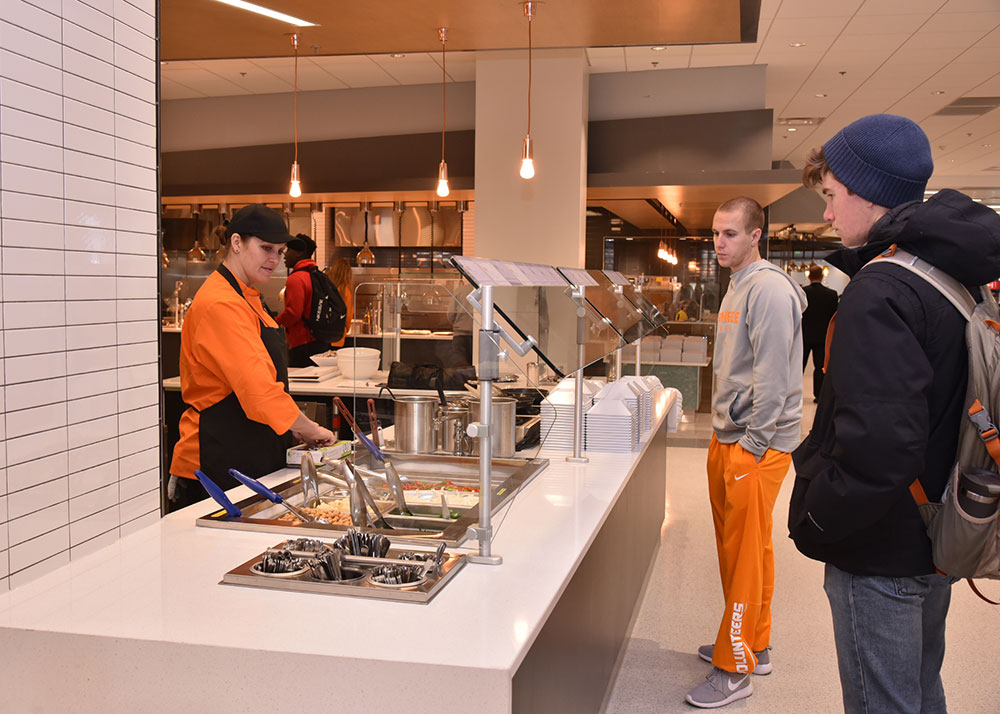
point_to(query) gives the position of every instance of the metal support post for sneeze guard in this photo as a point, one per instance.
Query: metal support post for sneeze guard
(581, 338)
(489, 369)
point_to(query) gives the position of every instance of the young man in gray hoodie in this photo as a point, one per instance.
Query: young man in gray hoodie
(756, 409)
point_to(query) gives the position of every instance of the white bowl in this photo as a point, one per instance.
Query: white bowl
(358, 362)
(357, 353)
(358, 371)
(324, 360)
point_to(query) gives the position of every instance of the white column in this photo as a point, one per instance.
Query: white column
(539, 220)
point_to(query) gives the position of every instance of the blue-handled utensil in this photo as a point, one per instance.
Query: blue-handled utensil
(346, 413)
(273, 497)
(218, 494)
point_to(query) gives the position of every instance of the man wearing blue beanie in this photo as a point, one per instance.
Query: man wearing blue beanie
(889, 410)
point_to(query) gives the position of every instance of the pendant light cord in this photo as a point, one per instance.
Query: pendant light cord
(295, 95)
(444, 93)
(530, 12)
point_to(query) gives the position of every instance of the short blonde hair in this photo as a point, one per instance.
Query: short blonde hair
(753, 214)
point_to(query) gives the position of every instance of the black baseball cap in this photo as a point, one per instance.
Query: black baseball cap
(258, 220)
(303, 243)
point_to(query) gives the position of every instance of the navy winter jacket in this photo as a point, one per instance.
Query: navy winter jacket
(894, 392)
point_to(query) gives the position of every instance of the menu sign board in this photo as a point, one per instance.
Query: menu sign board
(485, 271)
(578, 276)
(616, 278)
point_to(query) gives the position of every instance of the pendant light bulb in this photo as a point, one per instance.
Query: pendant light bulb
(442, 189)
(527, 159)
(295, 190)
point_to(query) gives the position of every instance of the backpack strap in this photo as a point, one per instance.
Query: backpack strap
(978, 592)
(953, 291)
(987, 430)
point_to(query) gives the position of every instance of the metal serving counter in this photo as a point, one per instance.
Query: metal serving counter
(509, 477)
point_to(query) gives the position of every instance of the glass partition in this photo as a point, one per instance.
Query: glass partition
(610, 301)
(649, 311)
(545, 306)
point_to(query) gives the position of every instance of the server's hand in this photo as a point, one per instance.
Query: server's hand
(306, 430)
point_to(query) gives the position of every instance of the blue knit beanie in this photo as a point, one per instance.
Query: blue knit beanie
(884, 158)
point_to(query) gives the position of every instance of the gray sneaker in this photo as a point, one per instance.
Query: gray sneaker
(763, 658)
(719, 689)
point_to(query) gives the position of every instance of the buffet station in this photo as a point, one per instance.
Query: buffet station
(458, 572)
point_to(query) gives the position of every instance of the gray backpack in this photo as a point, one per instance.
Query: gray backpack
(964, 528)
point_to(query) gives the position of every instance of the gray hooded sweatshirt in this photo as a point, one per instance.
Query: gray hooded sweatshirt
(758, 361)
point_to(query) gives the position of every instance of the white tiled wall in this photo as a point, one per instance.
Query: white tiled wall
(79, 414)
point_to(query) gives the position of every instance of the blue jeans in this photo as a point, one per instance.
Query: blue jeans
(889, 634)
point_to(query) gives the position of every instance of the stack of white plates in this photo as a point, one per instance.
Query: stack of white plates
(557, 415)
(645, 400)
(312, 374)
(610, 425)
(627, 393)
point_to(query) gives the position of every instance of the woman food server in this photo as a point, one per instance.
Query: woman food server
(234, 368)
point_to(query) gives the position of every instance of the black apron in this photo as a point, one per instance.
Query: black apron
(228, 438)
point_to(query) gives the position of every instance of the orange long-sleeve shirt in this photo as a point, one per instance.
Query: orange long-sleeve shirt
(222, 353)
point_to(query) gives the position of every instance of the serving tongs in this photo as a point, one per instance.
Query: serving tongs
(218, 494)
(273, 497)
(310, 482)
(359, 496)
(365, 441)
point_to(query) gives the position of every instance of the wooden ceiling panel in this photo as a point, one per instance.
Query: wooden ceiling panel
(203, 29)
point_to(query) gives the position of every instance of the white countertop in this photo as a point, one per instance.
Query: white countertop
(162, 584)
(338, 385)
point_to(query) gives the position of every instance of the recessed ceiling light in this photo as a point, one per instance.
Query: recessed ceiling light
(936, 92)
(658, 48)
(273, 14)
(986, 146)
(800, 121)
(792, 128)
(397, 55)
(796, 44)
(821, 95)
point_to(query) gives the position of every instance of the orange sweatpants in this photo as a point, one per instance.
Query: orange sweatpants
(743, 493)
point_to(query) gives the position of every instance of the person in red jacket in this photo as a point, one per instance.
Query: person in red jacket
(298, 301)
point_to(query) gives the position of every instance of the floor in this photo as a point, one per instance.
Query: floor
(683, 600)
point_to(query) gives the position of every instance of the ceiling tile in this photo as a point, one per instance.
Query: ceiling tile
(969, 6)
(802, 28)
(721, 60)
(867, 25)
(355, 71)
(251, 77)
(647, 54)
(734, 48)
(660, 64)
(980, 22)
(414, 68)
(170, 89)
(606, 59)
(944, 40)
(889, 7)
(818, 8)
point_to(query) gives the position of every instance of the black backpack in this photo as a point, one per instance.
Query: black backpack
(328, 311)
